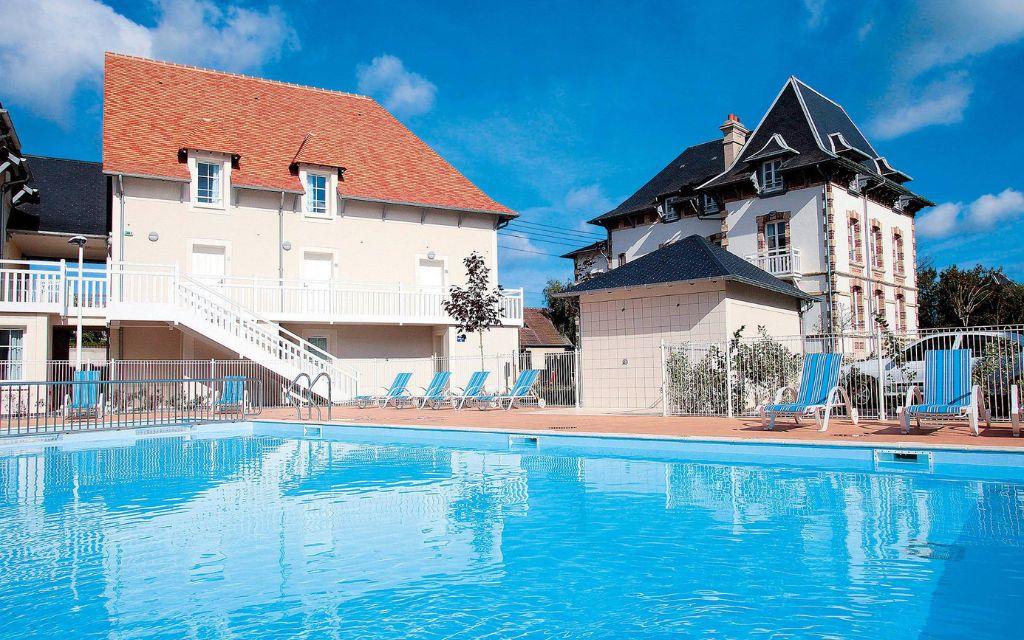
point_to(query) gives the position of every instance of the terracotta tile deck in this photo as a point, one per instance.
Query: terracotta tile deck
(574, 421)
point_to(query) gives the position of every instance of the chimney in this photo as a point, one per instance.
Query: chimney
(734, 136)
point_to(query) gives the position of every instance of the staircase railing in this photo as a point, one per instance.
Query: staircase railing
(272, 339)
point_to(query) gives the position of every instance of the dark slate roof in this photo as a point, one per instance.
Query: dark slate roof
(807, 121)
(692, 258)
(600, 245)
(539, 331)
(73, 198)
(691, 168)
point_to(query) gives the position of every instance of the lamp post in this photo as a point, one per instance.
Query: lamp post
(79, 241)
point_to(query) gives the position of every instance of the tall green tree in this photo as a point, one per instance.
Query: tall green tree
(974, 297)
(564, 311)
(475, 307)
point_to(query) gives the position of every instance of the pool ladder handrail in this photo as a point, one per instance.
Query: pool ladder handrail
(306, 395)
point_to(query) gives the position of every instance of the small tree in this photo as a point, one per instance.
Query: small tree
(475, 307)
(564, 311)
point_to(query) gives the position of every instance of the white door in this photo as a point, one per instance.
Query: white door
(317, 270)
(209, 264)
(430, 274)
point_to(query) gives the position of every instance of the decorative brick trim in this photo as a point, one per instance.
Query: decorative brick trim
(720, 238)
(877, 239)
(856, 239)
(762, 222)
(899, 264)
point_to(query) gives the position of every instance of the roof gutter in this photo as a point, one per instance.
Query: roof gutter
(575, 294)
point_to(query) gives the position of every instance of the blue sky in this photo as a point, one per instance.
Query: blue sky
(561, 109)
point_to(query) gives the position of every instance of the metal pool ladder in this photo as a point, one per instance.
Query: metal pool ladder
(306, 399)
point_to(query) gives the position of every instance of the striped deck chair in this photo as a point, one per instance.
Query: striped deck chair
(233, 396)
(948, 393)
(436, 393)
(474, 389)
(818, 394)
(396, 393)
(521, 390)
(85, 399)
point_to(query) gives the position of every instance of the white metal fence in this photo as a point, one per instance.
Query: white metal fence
(557, 384)
(733, 378)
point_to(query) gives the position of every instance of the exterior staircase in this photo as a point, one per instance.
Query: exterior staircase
(156, 294)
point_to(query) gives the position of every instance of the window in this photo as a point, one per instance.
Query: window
(857, 307)
(320, 342)
(901, 313)
(710, 204)
(880, 310)
(208, 183)
(877, 259)
(855, 241)
(897, 252)
(670, 210)
(316, 193)
(775, 236)
(11, 353)
(622, 259)
(771, 176)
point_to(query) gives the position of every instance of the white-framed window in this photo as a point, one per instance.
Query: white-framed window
(321, 343)
(12, 353)
(211, 177)
(316, 193)
(771, 176)
(775, 236)
(897, 252)
(877, 259)
(857, 307)
(710, 204)
(853, 230)
(670, 210)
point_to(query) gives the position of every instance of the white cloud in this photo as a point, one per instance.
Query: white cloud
(815, 13)
(942, 102)
(983, 214)
(589, 201)
(988, 210)
(940, 221)
(949, 31)
(865, 30)
(402, 92)
(52, 48)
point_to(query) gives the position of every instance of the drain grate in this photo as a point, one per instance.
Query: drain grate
(903, 460)
(562, 427)
(935, 550)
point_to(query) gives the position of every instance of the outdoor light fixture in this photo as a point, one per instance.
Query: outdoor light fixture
(431, 255)
(153, 236)
(287, 246)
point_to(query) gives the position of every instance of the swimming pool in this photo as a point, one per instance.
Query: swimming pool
(267, 530)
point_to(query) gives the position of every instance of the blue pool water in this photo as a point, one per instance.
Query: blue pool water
(388, 533)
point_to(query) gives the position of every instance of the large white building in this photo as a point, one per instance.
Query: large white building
(805, 196)
(297, 227)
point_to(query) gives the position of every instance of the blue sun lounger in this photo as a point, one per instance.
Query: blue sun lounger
(396, 393)
(948, 392)
(520, 391)
(85, 399)
(436, 393)
(232, 397)
(818, 394)
(473, 390)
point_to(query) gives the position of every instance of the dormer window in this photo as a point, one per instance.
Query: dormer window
(316, 193)
(319, 187)
(771, 176)
(710, 204)
(208, 190)
(670, 209)
(211, 177)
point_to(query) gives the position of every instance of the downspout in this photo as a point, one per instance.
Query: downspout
(869, 258)
(280, 253)
(829, 300)
(120, 244)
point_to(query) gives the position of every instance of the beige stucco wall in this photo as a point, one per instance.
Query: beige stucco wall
(622, 332)
(152, 342)
(36, 341)
(372, 242)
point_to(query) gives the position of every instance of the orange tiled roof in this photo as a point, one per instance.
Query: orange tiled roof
(153, 109)
(539, 331)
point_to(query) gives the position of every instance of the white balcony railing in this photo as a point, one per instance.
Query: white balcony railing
(783, 263)
(57, 287)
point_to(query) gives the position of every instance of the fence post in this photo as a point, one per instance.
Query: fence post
(664, 382)
(576, 375)
(64, 287)
(728, 381)
(213, 369)
(881, 372)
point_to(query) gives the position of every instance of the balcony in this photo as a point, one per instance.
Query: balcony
(137, 291)
(783, 263)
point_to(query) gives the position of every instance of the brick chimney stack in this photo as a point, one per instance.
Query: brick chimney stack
(734, 137)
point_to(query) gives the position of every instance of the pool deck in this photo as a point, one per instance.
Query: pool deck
(582, 421)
